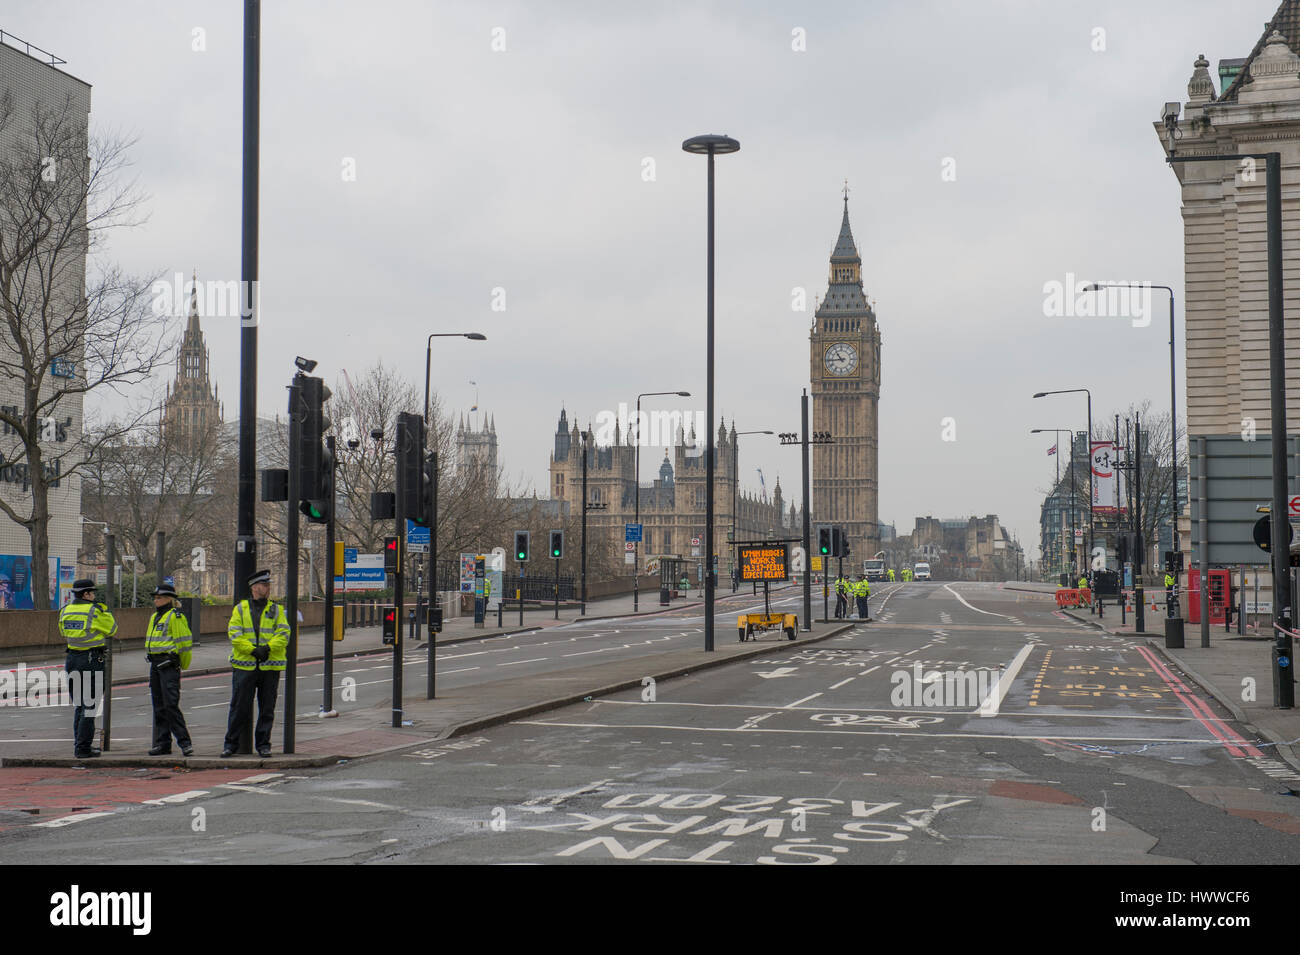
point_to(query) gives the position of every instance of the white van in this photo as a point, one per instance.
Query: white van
(921, 571)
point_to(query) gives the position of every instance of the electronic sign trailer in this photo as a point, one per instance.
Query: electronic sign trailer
(766, 561)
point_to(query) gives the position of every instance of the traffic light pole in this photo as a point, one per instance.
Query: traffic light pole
(520, 593)
(296, 414)
(557, 588)
(431, 573)
(398, 582)
(327, 695)
(807, 529)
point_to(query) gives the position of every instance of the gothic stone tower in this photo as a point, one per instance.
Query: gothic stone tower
(191, 406)
(845, 375)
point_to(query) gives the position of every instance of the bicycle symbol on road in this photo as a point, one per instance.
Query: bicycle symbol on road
(863, 719)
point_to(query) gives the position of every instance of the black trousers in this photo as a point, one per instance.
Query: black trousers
(165, 688)
(841, 605)
(88, 689)
(863, 612)
(246, 684)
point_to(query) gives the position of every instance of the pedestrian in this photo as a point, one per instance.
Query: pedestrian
(891, 575)
(686, 586)
(259, 640)
(86, 625)
(167, 643)
(841, 597)
(862, 591)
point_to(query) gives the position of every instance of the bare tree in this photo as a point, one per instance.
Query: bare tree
(149, 479)
(67, 336)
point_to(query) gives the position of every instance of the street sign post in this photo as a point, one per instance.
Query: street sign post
(632, 533)
(417, 538)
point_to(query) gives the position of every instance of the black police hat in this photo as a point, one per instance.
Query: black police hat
(82, 585)
(260, 577)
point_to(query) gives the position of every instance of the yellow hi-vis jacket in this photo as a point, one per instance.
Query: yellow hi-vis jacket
(861, 588)
(1169, 580)
(891, 574)
(169, 632)
(841, 586)
(243, 636)
(1083, 583)
(86, 625)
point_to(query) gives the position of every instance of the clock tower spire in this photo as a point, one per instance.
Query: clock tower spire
(845, 378)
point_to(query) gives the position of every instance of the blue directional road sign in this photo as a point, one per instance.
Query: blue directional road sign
(632, 533)
(349, 555)
(417, 537)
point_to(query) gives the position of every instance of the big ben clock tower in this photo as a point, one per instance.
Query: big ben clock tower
(845, 376)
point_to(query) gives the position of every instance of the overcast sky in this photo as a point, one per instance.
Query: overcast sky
(524, 169)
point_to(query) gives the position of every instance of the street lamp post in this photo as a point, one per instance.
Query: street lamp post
(431, 519)
(1058, 432)
(735, 484)
(1173, 412)
(636, 494)
(709, 145)
(1092, 526)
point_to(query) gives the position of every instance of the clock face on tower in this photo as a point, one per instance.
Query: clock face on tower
(841, 359)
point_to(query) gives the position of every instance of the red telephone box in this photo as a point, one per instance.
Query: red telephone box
(1218, 595)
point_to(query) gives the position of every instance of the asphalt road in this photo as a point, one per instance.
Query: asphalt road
(367, 678)
(1074, 747)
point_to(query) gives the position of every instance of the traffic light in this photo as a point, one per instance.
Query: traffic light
(557, 544)
(315, 461)
(410, 466)
(839, 542)
(392, 555)
(428, 477)
(824, 541)
(521, 545)
(1121, 548)
(390, 624)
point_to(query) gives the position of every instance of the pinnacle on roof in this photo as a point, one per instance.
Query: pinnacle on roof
(192, 327)
(1286, 21)
(846, 249)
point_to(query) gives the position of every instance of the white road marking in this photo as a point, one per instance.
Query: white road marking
(990, 705)
(976, 609)
(517, 662)
(69, 820)
(842, 682)
(804, 700)
(912, 732)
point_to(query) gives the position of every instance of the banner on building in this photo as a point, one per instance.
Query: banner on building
(16, 582)
(1105, 478)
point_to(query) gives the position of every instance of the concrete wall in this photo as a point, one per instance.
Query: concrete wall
(38, 630)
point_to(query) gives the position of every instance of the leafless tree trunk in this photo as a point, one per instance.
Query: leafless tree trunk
(66, 336)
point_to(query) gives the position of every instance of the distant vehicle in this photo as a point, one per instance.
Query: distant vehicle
(921, 571)
(875, 569)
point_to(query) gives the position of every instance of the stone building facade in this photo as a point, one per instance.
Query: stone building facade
(477, 448)
(1255, 110)
(672, 505)
(32, 79)
(844, 360)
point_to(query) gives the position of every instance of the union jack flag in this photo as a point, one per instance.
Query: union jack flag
(1052, 449)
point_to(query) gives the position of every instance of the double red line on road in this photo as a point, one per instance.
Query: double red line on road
(1236, 744)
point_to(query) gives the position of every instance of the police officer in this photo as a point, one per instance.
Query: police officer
(167, 643)
(862, 591)
(86, 625)
(259, 641)
(841, 597)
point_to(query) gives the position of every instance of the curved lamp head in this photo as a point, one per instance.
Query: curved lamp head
(683, 394)
(711, 145)
(1041, 394)
(476, 336)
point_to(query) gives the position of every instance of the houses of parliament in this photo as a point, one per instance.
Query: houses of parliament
(844, 368)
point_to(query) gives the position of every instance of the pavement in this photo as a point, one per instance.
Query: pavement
(365, 729)
(1236, 670)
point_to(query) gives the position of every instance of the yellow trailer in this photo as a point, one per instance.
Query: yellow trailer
(749, 625)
